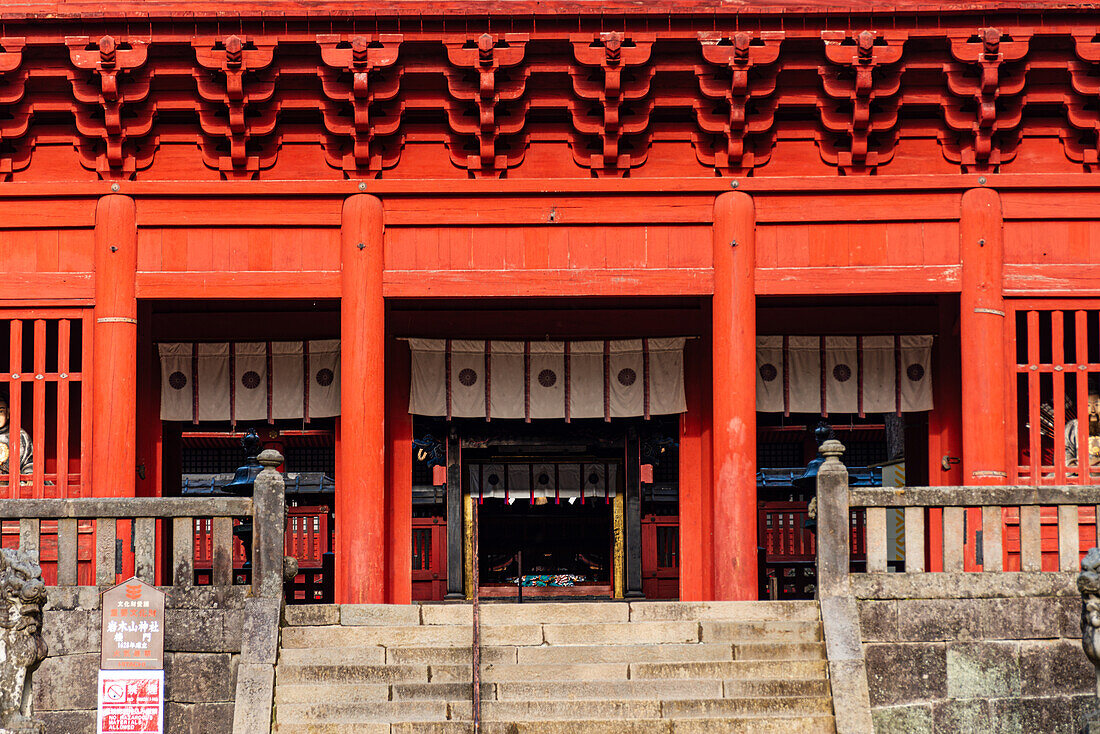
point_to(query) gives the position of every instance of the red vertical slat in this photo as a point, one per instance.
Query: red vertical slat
(15, 406)
(1057, 359)
(85, 403)
(38, 423)
(64, 336)
(1034, 447)
(1081, 382)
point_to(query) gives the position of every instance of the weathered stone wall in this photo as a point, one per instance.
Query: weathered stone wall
(976, 665)
(202, 646)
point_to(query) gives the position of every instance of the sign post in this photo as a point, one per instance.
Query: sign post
(131, 676)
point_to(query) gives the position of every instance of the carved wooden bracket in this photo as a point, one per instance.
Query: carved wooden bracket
(1082, 110)
(865, 78)
(359, 72)
(739, 70)
(612, 71)
(988, 84)
(118, 81)
(234, 98)
(18, 109)
(494, 87)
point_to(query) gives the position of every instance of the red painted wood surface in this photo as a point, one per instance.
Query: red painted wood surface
(399, 470)
(660, 557)
(733, 342)
(114, 360)
(429, 558)
(361, 535)
(982, 330)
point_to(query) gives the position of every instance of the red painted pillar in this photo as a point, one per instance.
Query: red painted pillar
(982, 335)
(114, 354)
(360, 488)
(733, 339)
(399, 435)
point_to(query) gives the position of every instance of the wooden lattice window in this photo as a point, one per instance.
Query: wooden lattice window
(47, 351)
(1056, 348)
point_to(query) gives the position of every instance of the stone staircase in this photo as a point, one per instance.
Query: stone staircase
(555, 668)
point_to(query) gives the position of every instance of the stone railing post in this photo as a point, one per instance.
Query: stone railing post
(833, 523)
(269, 526)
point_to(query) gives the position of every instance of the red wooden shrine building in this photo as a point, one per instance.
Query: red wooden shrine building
(595, 271)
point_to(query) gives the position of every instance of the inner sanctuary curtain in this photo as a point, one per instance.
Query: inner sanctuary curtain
(541, 379)
(249, 381)
(843, 374)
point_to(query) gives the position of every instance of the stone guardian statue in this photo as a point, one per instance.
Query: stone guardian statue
(21, 645)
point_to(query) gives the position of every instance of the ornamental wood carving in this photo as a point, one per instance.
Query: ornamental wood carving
(986, 80)
(485, 86)
(611, 81)
(359, 73)
(740, 70)
(861, 102)
(489, 103)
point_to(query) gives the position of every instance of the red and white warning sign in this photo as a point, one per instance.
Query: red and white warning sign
(131, 702)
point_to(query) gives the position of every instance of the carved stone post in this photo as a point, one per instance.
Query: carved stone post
(1088, 583)
(269, 525)
(21, 645)
(833, 524)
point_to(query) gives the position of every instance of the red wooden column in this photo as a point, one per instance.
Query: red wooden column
(361, 486)
(733, 339)
(982, 336)
(114, 353)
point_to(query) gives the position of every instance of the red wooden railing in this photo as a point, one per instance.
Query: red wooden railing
(429, 558)
(661, 556)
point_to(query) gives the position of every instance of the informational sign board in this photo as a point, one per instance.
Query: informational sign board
(131, 702)
(133, 627)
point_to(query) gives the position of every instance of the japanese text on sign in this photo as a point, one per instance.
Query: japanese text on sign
(131, 702)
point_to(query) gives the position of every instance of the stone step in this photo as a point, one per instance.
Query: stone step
(364, 655)
(725, 708)
(509, 613)
(743, 725)
(358, 674)
(776, 651)
(773, 687)
(733, 611)
(361, 712)
(669, 652)
(556, 710)
(619, 690)
(738, 669)
(508, 673)
(767, 631)
(408, 636)
(451, 655)
(316, 692)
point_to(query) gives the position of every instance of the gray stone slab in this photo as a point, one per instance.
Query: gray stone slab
(906, 672)
(66, 683)
(962, 585)
(911, 719)
(198, 718)
(311, 615)
(1055, 668)
(878, 620)
(201, 630)
(380, 614)
(965, 715)
(194, 677)
(260, 631)
(72, 632)
(934, 620)
(983, 669)
(1025, 715)
(254, 698)
(67, 721)
(1024, 618)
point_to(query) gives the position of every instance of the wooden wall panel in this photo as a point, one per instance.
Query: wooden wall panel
(1057, 241)
(238, 249)
(46, 250)
(564, 247)
(857, 244)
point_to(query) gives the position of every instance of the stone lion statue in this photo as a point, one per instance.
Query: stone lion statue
(21, 645)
